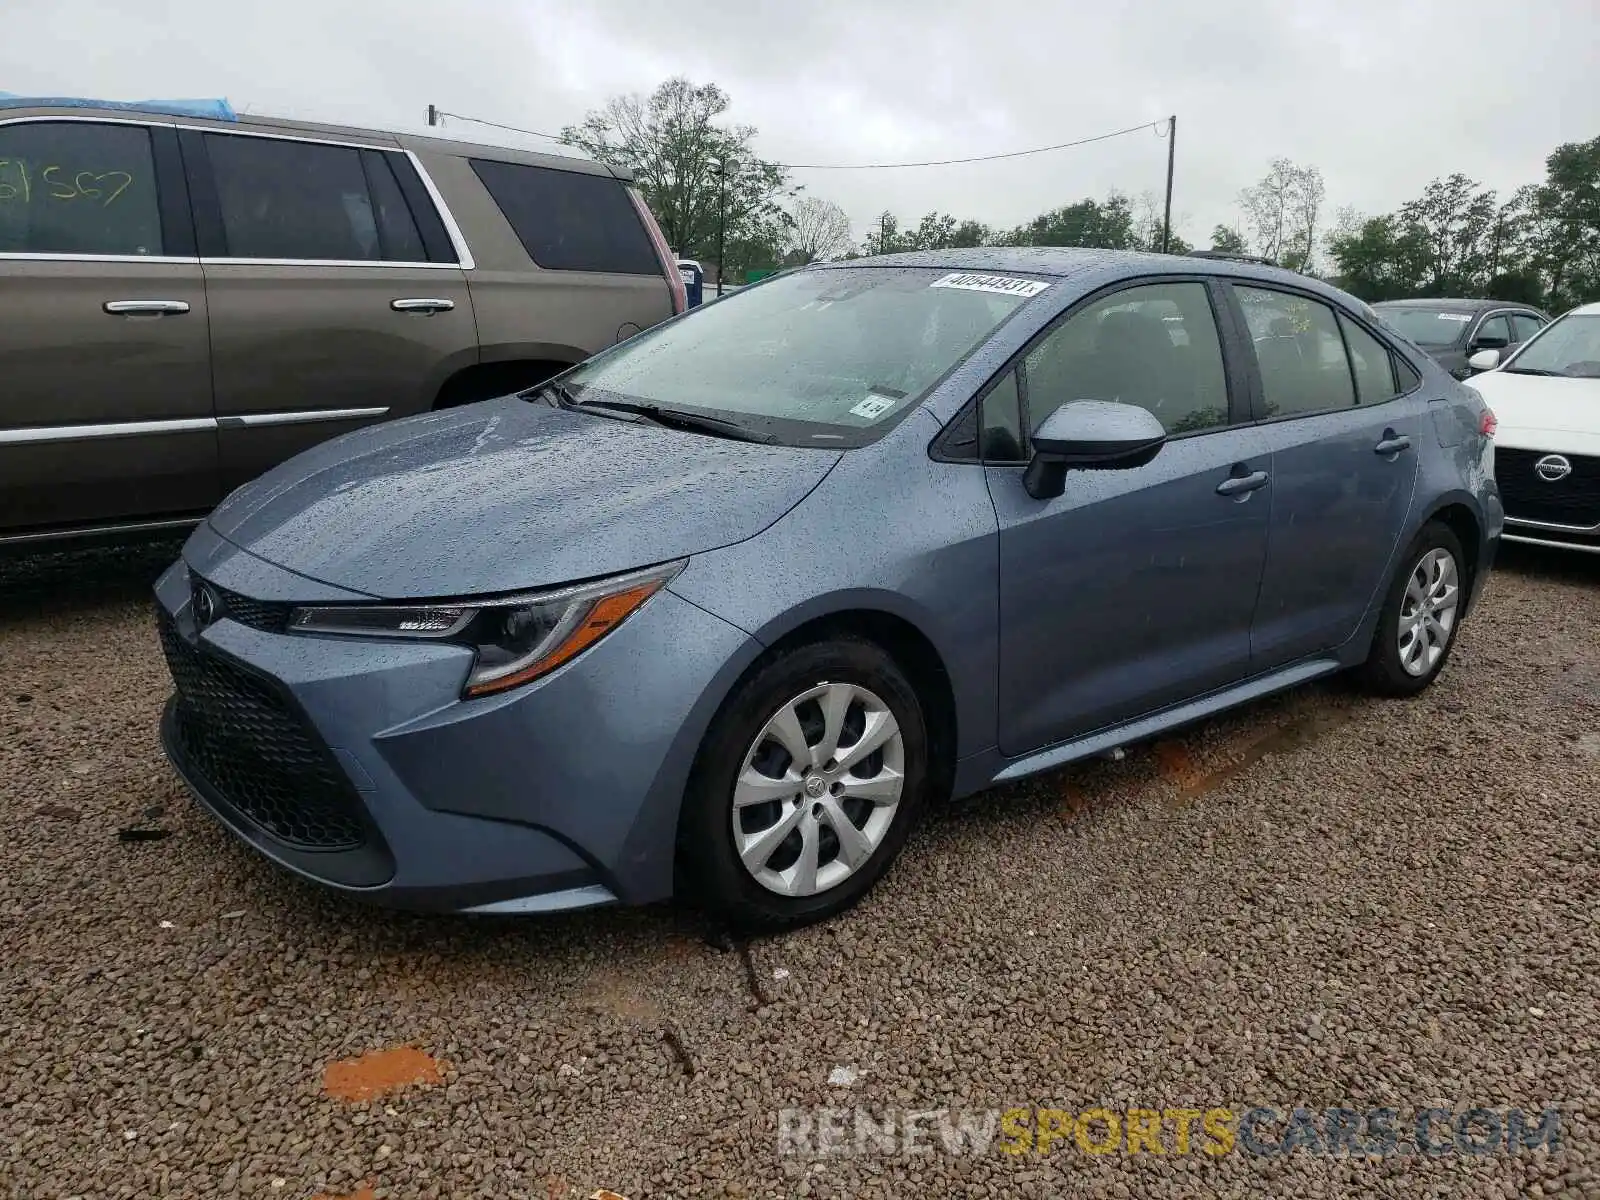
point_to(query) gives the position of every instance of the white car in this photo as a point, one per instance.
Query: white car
(1547, 446)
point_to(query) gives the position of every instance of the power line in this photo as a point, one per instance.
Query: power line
(950, 162)
(1158, 126)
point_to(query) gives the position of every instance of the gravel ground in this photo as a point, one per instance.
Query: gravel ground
(1323, 900)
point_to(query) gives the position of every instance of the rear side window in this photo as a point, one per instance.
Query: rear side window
(73, 187)
(1299, 351)
(1408, 375)
(1372, 363)
(303, 200)
(569, 221)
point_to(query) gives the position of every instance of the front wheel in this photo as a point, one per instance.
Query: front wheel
(806, 787)
(1421, 614)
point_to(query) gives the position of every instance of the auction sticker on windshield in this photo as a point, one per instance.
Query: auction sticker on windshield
(873, 406)
(1004, 284)
(1462, 317)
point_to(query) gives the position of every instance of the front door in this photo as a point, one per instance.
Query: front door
(1134, 589)
(336, 298)
(1344, 447)
(105, 374)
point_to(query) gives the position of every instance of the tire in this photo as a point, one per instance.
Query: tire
(862, 683)
(1396, 665)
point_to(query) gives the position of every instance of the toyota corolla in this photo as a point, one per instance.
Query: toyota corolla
(720, 611)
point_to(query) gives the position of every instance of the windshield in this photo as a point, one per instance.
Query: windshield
(1567, 346)
(824, 357)
(1426, 326)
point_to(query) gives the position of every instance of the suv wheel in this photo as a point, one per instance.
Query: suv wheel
(806, 787)
(1420, 615)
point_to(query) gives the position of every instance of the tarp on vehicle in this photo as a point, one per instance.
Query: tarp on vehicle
(216, 110)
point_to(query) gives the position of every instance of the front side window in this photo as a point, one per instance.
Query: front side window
(293, 200)
(1524, 326)
(1299, 352)
(1155, 346)
(569, 220)
(820, 357)
(1373, 365)
(1569, 346)
(1494, 331)
(74, 187)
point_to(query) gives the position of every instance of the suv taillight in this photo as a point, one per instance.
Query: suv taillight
(669, 265)
(1488, 423)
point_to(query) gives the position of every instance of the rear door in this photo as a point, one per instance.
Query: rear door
(1344, 449)
(105, 379)
(338, 296)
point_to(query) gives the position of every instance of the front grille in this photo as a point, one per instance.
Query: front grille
(1574, 500)
(243, 738)
(257, 614)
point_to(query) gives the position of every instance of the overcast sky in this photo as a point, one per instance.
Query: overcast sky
(1382, 96)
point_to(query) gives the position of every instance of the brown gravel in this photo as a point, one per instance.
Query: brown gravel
(1321, 900)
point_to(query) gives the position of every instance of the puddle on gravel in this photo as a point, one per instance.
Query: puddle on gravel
(364, 1192)
(379, 1073)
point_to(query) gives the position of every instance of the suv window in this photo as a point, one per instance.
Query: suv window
(570, 221)
(1525, 326)
(1372, 363)
(1299, 351)
(304, 200)
(1155, 345)
(73, 187)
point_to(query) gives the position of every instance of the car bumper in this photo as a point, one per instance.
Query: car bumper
(354, 762)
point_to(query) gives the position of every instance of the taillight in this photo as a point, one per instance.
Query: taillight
(1488, 423)
(669, 265)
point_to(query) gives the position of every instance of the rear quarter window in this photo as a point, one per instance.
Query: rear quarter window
(569, 221)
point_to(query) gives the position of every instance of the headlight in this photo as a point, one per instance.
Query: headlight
(517, 639)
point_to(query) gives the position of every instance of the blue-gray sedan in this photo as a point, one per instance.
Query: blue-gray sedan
(718, 612)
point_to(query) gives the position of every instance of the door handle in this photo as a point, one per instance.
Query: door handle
(1392, 443)
(425, 305)
(1241, 485)
(145, 308)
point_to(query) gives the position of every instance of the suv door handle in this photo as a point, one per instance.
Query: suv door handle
(145, 308)
(1392, 443)
(1241, 485)
(424, 305)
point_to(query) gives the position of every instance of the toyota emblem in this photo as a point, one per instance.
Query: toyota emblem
(1553, 468)
(207, 606)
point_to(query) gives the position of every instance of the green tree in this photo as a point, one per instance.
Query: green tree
(1564, 235)
(1379, 258)
(1283, 211)
(1228, 241)
(1455, 220)
(691, 170)
(1108, 224)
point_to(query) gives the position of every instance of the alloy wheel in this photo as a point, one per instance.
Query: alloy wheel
(818, 789)
(1428, 611)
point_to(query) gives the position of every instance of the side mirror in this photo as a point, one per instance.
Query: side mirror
(1090, 435)
(1484, 360)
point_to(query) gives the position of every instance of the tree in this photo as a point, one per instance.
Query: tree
(819, 229)
(1455, 220)
(1227, 241)
(1564, 234)
(1149, 228)
(1379, 258)
(1087, 222)
(1283, 210)
(690, 169)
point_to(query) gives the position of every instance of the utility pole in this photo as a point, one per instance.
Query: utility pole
(1172, 146)
(722, 217)
(433, 115)
(883, 232)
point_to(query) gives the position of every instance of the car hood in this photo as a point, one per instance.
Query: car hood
(1540, 412)
(508, 495)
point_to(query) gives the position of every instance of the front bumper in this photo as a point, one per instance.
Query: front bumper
(354, 762)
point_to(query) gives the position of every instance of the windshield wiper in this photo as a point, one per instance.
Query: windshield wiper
(675, 418)
(1530, 371)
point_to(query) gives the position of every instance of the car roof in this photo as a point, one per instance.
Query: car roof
(1108, 266)
(1586, 310)
(17, 108)
(1475, 304)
